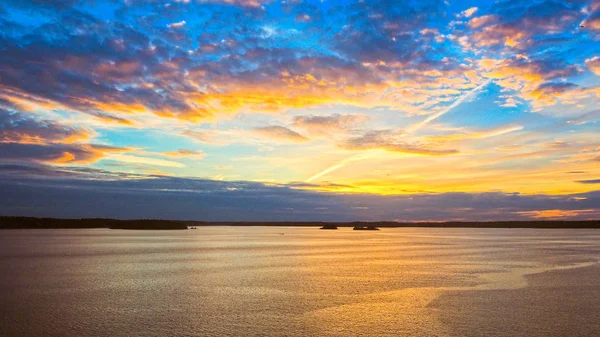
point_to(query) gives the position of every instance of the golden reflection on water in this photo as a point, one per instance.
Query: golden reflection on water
(268, 281)
(385, 282)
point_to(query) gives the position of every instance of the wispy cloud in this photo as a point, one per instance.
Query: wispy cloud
(126, 158)
(328, 125)
(184, 153)
(394, 141)
(589, 181)
(280, 133)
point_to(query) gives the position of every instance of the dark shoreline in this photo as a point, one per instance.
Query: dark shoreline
(10, 222)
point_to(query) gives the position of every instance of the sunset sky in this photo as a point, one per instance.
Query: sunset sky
(300, 110)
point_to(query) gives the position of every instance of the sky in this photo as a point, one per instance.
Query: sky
(300, 110)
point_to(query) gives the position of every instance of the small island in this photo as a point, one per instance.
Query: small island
(329, 226)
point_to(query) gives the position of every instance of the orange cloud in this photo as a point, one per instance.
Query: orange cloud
(84, 154)
(185, 153)
(559, 213)
(56, 153)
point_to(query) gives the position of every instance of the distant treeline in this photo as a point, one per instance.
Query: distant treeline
(7, 222)
(393, 224)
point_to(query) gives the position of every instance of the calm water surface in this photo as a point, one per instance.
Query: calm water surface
(274, 281)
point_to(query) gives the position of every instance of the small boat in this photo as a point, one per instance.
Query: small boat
(365, 228)
(329, 227)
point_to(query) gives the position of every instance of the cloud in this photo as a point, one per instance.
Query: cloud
(42, 171)
(550, 214)
(590, 181)
(98, 193)
(280, 133)
(324, 125)
(204, 136)
(302, 18)
(26, 128)
(592, 22)
(549, 92)
(527, 70)
(469, 12)
(25, 137)
(393, 141)
(55, 153)
(105, 70)
(185, 153)
(540, 82)
(113, 69)
(144, 160)
(561, 95)
(514, 25)
(372, 54)
(593, 64)
(483, 20)
(177, 25)
(73, 74)
(375, 30)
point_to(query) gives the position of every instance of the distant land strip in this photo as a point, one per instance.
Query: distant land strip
(18, 222)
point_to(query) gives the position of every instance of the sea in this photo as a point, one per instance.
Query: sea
(300, 281)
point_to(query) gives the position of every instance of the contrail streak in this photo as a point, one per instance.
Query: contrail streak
(448, 109)
(341, 164)
(498, 132)
(409, 131)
